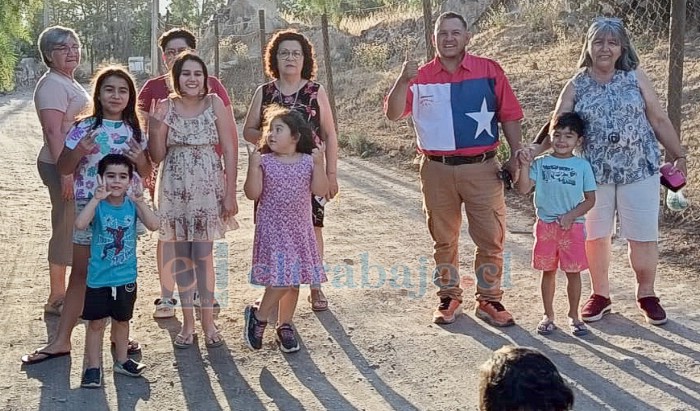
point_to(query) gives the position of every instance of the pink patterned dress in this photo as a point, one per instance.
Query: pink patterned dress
(284, 249)
(190, 187)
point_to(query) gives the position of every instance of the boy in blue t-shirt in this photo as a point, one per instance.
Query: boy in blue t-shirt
(111, 280)
(564, 192)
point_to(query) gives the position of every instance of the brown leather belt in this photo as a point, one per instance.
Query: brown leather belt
(459, 160)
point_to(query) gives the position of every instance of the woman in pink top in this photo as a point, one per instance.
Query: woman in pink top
(58, 98)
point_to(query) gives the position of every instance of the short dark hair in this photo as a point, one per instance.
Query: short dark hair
(450, 15)
(308, 70)
(177, 70)
(115, 159)
(177, 33)
(297, 124)
(571, 120)
(523, 379)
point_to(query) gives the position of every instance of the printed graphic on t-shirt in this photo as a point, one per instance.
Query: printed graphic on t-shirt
(559, 173)
(115, 242)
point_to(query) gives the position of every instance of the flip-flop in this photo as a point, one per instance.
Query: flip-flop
(319, 304)
(578, 329)
(29, 359)
(183, 341)
(214, 341)
(546, 327)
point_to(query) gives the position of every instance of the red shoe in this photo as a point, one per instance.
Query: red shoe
(652, 310)
(447, 311)
(494, 313)
(595, 308)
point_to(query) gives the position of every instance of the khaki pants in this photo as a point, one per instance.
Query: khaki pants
(445, 188)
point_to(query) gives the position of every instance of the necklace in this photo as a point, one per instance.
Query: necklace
(296, 95)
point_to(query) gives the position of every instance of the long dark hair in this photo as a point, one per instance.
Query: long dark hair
(300, 128)
(129, 115)
(176, 71)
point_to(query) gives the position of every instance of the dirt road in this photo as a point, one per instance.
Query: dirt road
(376, 349)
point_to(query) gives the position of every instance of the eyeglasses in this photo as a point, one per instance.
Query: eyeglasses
(286, 54)
(175, 52)
(64, 49)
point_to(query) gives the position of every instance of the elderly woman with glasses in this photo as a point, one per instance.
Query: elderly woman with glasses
(625, 124)
(290, 62)
(58, 98)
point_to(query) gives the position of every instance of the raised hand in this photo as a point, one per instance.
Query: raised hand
(87, 143)
(101, 191)
(318, 153)
(409, 69)
(134, 153)
(254, 157)
(136, 193)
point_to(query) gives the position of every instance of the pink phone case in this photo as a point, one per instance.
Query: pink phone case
(672, 178)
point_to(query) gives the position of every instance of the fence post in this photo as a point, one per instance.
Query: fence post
(428, 23)
(263, 40)
(674, 93)
(329, 67)
(216, 45)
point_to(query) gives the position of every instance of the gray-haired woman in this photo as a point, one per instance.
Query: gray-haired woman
(58, 98)
(625, 124)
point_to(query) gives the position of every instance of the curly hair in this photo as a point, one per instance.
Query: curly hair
(308, 70)
(523, 379)
(299, 127)
(129, 115)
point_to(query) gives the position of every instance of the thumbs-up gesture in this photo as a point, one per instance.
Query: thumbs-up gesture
(409, 70)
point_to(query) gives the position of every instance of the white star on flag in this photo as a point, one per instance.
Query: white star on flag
(483, 119)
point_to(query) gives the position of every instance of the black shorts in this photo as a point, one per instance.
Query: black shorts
(317, 210)
(102, 302)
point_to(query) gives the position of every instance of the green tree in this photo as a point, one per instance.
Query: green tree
(15, 21)
(183, 13)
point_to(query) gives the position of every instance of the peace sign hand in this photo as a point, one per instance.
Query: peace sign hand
(136, 194)
(254, 156)
(101, 191)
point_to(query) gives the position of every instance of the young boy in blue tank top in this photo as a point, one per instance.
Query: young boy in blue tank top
(111, 279)
(564, 192)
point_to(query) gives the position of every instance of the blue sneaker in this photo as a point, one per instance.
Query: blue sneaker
(254, 329)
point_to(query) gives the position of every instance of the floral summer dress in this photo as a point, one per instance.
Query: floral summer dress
(284, 249)
(190, 188)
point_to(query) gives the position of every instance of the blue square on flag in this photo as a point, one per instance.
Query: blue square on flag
(474, 112)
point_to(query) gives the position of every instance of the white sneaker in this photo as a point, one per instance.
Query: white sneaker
(164, 308)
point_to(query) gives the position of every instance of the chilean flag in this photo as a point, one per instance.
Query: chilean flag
(454, 116)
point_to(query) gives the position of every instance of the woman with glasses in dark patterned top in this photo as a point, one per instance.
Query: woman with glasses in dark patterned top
(290, 62)
(626, 123)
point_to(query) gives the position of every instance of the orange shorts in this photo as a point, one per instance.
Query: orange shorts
(556, 246)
